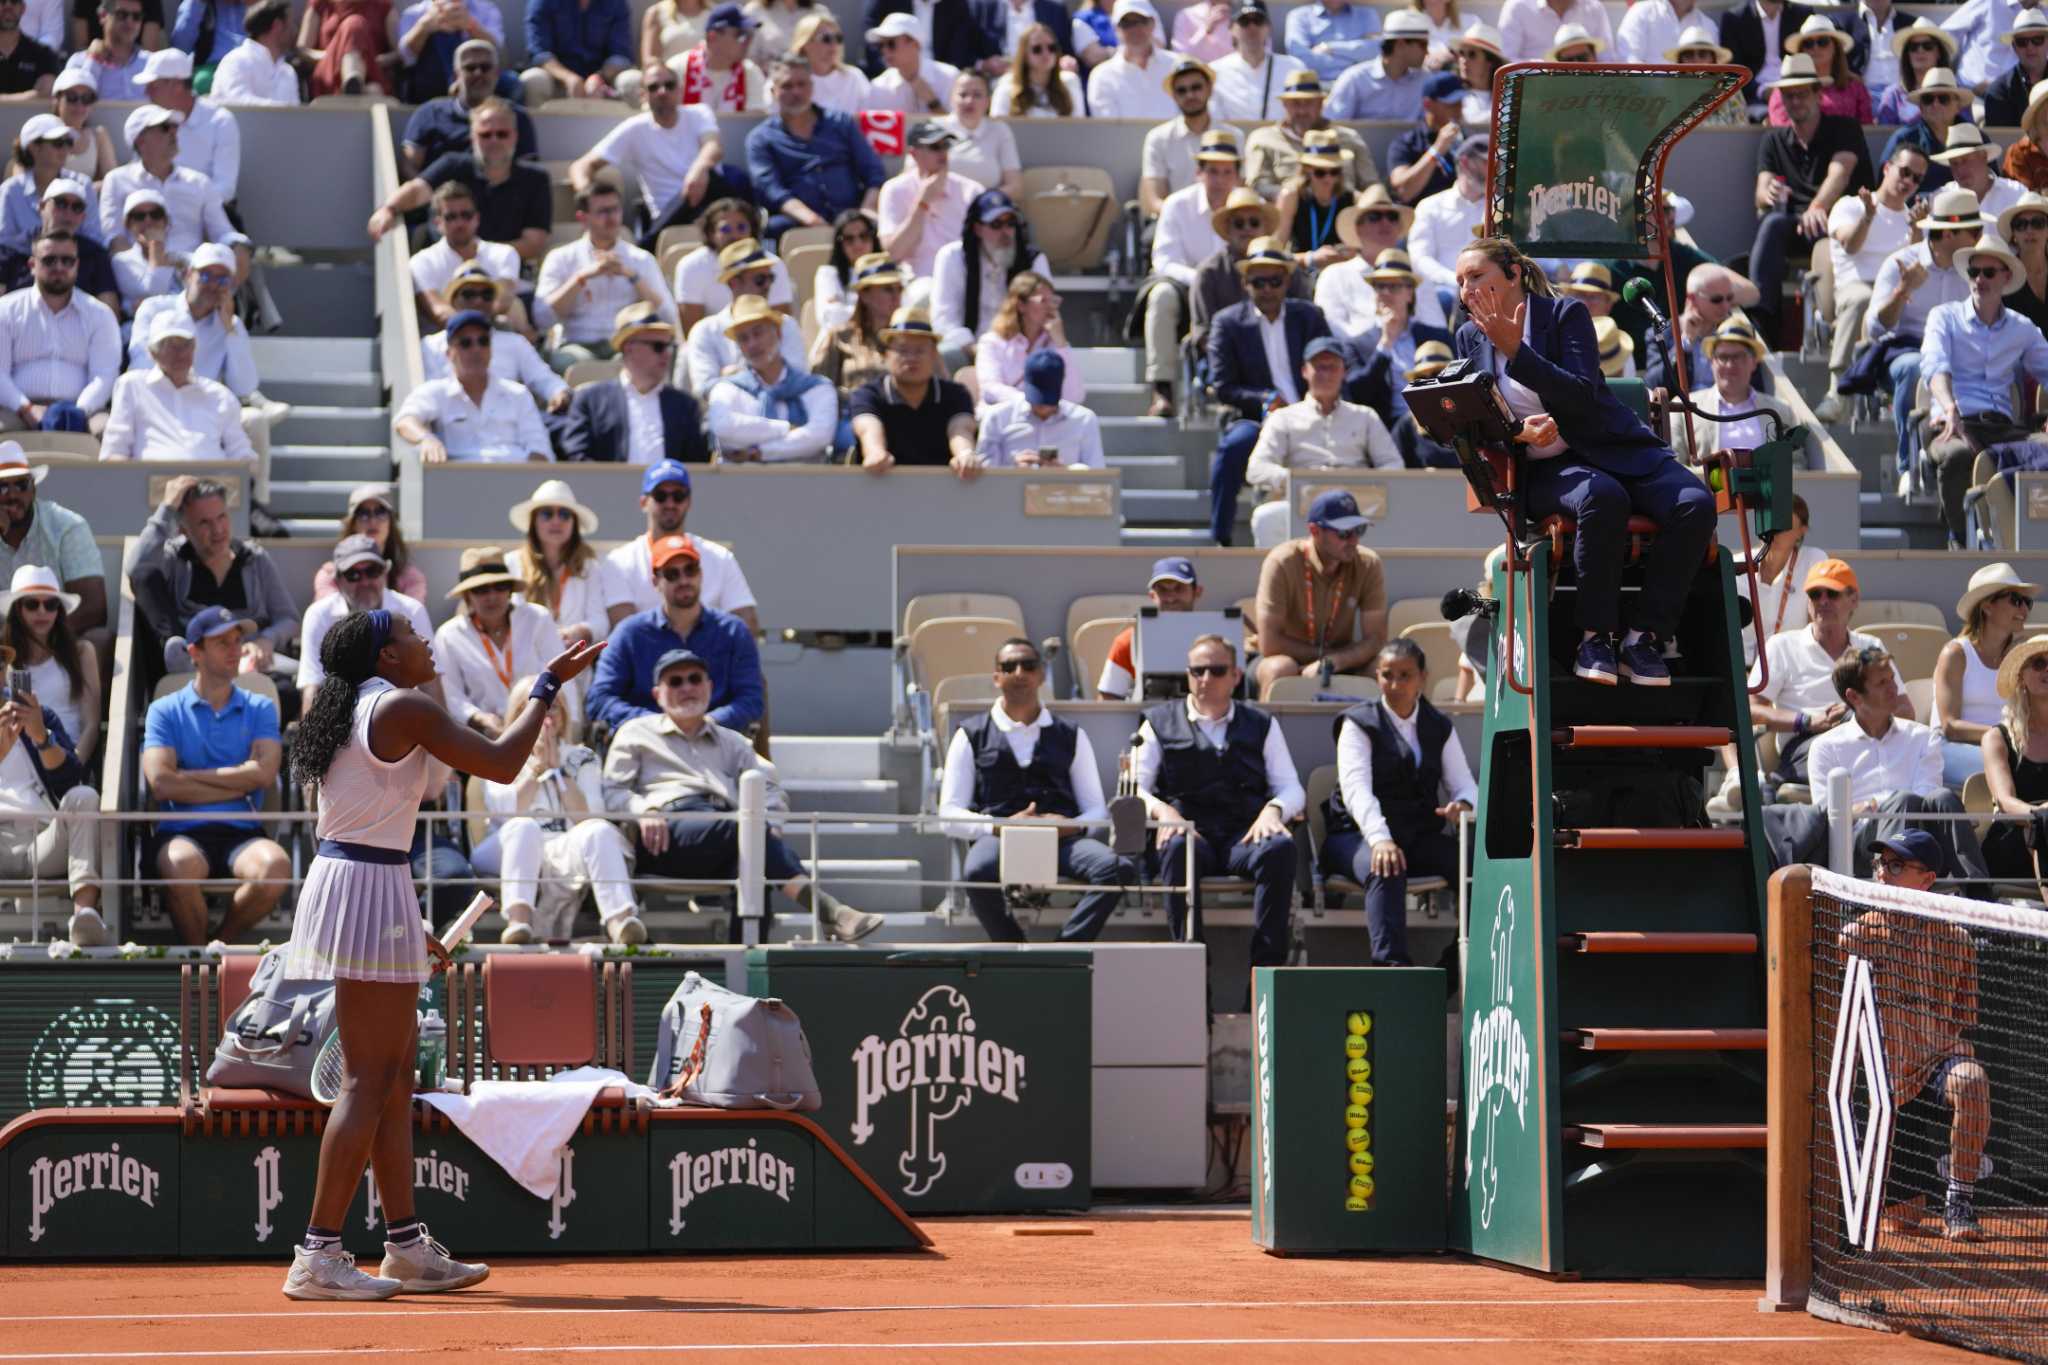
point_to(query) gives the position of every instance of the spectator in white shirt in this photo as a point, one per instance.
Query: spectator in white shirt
(986, 150)
(1186, 236)
(1135, 82)
(766, 411)
(1322, 431)
(1863, 230)
(697, 287)
(1650, 30)
(197, 215)
(911, 83)
(1799, 700)
(147, 268)
(512, 355)
(717, 73)
(60, 350)
(1444, 222)
(924, 206)
(835, 86)
(1038, 426)
(1027, 323)
(258, 72)
(1480, 51)
(586, 282)
(673, 150)
(167, 412)
(1166, 160)
(63, 209)
(209, 139)
(665, 501)
(490, 640)
(1036, 85)
(972, 276)
(747, 270)
(833, 294)
(470, 415)
(1250, 79)
(362, 582)
(224, 355)
(1894, 768)
(455, 218)
(1529, 27)
(556, 566)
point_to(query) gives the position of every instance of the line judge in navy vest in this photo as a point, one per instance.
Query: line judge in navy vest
(1017, 761)
(1588, 458)
(1401, 773)
(1224, 767)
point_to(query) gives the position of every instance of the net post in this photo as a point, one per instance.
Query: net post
(1788, 1228)
(1841, 825)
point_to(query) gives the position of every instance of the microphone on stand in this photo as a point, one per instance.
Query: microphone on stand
(1642, 293)
(1459, 603)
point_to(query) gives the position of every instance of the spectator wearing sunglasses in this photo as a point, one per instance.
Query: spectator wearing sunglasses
(639, 418)
(441, 124)
(1799, 701)
(673, 150)
(630, 582)
(223, 353)
(60, 350)
(198, 215)
(116, 53)
(2005, 99)
(626, 673)
(1934, 107)
(28, 68)
(515, 199)
(64, 209)
(459, 251)
(471, 415)
(362, 582)
(1864, 229)
(2024, 226)
(513, 357)
(146, 269)
(1322, 600)
(209, 139)
(1710, 297)
(1391, 84)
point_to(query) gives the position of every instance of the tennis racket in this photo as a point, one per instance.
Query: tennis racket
(328, 1069)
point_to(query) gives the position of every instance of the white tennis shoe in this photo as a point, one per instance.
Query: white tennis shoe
(425, 1267)
(332, 1274)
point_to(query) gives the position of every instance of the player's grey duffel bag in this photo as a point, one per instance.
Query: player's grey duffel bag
(730, 1051)
(273, 1037)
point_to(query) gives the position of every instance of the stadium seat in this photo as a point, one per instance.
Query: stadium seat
(525, 1016)
(1248, 612)
(1896, 610)
(1976, 797)
(680, 240)
(1913, 647)
(1993, 507)
(956, 646)
(1817, 299)
(591, 372)
(1071, 210)
(1421, 890)
(1921, 691)
(1308, 687)
(1088, 651)
(1096, 606)
(927, 606)
(797, 238)
(802, 262)
(1440, 647)
(77, 444)
(1412, 611)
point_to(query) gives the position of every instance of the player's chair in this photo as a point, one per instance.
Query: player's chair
(208, 995)
(526, 1016)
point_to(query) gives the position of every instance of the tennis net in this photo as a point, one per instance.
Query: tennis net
(1928, 1145)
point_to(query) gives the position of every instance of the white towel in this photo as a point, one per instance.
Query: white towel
(521, 1125)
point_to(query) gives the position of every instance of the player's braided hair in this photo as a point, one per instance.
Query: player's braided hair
(349, 654)
(1513, 263)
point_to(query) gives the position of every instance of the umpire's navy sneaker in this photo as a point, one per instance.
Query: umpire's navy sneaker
(1642, 663)
(425, 1267)
(1595, 662)
(332, 1274)
(1959, 1221)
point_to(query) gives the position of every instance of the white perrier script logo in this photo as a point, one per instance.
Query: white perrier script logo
(1587, 195)
(1496, 1061)
(52, 1182)
(937, 1059)
(691, 1174)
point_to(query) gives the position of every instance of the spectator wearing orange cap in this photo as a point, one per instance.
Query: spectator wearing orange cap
(1799, 698)
(624, 686)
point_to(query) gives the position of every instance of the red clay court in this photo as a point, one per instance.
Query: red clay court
(1147, 1285)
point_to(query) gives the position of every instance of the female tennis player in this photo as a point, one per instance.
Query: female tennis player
(372, 742)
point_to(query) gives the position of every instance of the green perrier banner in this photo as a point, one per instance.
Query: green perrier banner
(1579, 152)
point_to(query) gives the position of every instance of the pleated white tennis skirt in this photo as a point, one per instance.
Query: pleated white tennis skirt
(357, 920)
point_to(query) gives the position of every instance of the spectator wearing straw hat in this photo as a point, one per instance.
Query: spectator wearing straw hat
(197, 215)
(1384, 350)
(1272, 154)
(748, 270)
(1250, 77)
(1976, 27)
(1591, 283)
(512, 355)
(626, 674)
(1478, 53)
(2015, 757)
(910, 416)
(1243, 219)
(1695, 46)
(767, 412)
(1040, 427)
(1650, 29)
(1256, 352)
(1801, 170)
(1418, 449)
(1575, 45)
(1841, 92)
(1756, 32)
(586, 282)
(2005, 99)
(1312, 200)
(1423, 160)
(362, 582)
(434, 267)
(1733, 355)
(2027, 159)
(1918, 47)
(1617, 352)
(1935, 105)
(63, 670)
(1185, 237)
(490, 641)
(638, 418)
(1373, 226)
(1972, 159)
(1972, 355)
(472, 415)
(1445, 222)
(556, 564)
(1166, 161)
(36, 530)
(1994, 610)
(1389, 85)
(1529, 29)
(169, 413)
(1330, 36)
(1133, 81)
(1864, 229)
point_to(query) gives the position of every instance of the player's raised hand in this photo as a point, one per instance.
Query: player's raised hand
(575, 659)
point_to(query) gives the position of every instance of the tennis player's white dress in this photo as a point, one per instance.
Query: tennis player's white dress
(358, 914)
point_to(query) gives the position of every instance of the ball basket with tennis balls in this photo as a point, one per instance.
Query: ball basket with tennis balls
(1358, 1022)
(1354, 1045)
(1361, 1187)
(1358, 1068)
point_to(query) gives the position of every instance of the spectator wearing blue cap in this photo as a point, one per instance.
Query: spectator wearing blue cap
(626, 672)
(1256, 352)
(1322, 431)
(630, 584)
(471, 415)
(1322, 601)
(717, 72)
(973, 275)
(210, 751)
(1422, 161)
(1038, 427)
(1172, 587)
(1391, 84)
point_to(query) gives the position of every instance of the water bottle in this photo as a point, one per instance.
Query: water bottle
(433, 1054)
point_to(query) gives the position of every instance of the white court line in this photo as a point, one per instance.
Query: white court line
(1001, 1345)
(771, 1310)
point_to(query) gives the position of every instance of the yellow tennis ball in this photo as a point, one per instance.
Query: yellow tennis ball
(1358, 1022)
(1361, 1187)
(1361, 1092)
(1361, 1163)
(1353, 1204)
(1357, 1068)
(1354, 1116)
(1357, 1139)
(1354, 1045)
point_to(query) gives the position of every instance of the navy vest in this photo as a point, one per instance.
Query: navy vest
(1406, 784)
(1220, 790)
(1003, 787)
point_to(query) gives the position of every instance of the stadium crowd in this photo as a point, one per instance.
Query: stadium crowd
(1289, 283)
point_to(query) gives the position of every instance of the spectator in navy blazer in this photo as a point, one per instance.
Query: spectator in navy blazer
(1241, 373)
(1742, 33)
(965, 33)
(601, 425)
(1587, 457)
